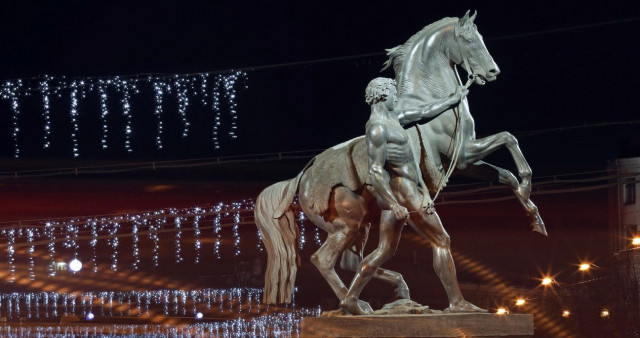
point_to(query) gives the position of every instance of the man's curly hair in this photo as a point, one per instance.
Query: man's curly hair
(378, 90)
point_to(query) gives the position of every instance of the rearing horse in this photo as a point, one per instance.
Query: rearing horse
(333, 188)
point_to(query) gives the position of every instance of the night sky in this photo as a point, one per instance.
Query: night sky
(563, 65)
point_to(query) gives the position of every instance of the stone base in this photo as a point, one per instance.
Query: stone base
(424, 325)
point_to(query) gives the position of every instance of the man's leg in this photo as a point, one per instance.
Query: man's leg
(430, 227)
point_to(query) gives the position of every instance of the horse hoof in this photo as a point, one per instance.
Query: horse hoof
(538, 226)
(402, 292)
(354, 306)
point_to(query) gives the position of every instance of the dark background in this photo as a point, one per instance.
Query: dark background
(563, 64)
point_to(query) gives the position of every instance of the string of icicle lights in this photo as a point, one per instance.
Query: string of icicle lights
(283, 325)
(214, 90)
(96, 239)
(255, 319)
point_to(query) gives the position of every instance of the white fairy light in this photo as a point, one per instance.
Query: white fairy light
(73, 113)
(134, 246)
(302, 239)
(178, 227)
(31, 251)
(203, 88)
(236, 228)
(10, 92)
(46, 111)
(49, 230)
(11, 241)
(113, 232)
(182, 92)
(230, 94)
(316, 236)
(153, 235)
(217, 230)
(125, 89)
(215, 104)
(104, 111)
(158, 97)
(93, 243)
(196, 235)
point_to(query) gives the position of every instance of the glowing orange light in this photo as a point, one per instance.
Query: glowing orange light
(635, 241)
(502, 311)
(604, 313)
(547, 281)
(520, 301)
(584, 266)
(566, 313)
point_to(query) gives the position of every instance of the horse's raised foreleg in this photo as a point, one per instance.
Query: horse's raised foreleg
(476, 150)
(485, 171)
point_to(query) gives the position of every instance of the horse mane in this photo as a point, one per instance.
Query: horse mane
(397, 54)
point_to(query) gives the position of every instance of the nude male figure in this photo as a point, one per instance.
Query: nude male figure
(401, 194)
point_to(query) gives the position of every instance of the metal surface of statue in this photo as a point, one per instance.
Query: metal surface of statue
(338, 194)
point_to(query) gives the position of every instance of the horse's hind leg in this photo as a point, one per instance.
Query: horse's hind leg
(341, 221)
(485, 171)
(351, 260)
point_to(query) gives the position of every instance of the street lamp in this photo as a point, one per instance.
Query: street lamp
(584, 266)
(636, 241)
(502, 311)
(520, 301)
(546, 281)
(566, 313)
(75, 265)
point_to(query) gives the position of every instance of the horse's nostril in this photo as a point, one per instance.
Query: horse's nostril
(494, 71)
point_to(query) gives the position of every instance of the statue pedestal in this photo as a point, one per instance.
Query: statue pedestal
(422, 325)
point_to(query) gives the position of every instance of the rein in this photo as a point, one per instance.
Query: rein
(454, 140)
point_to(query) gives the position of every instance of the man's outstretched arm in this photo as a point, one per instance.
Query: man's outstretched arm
(431, 110)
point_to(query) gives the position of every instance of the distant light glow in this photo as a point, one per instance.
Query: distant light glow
(502, 311)
(90, 316)
(635, 241)
(546, 281)
(520, 301)
(584, 266)
(199, 315)
(604, 313)
(75, 265)
(566, 313)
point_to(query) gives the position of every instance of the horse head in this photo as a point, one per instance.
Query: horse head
(472, 53)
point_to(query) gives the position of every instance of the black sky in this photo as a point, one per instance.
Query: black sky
(584, 75)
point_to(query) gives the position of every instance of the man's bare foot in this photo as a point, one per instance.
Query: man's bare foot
(463, 306)
(355, 306)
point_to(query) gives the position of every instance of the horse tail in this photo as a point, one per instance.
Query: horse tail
(280, 238)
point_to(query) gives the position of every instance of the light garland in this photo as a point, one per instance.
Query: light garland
(73, 113)
(196, 234)
(10, 92)
(178, 226)
(46, 111)
(186, 87)
(280, 324)
(145, 226)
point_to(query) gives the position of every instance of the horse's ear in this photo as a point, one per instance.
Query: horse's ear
(463, 20)
(463, 23)
(473, 17)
